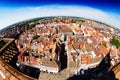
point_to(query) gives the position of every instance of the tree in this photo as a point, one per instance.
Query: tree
(115, 42)
(35, 37)
(82, 20)
(73, 20)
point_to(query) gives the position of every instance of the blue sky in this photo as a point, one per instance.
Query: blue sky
(12, 11)
(93, 3)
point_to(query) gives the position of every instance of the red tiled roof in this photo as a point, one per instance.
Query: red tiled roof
(85, 59)
(118, 50)
(96, 52)
(104, 49)
(77, 29)
(114, 52)
(76, 45)
(81, 46)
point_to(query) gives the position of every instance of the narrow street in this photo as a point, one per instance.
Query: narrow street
(63, 57)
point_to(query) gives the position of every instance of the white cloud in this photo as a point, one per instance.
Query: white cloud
(13, 15)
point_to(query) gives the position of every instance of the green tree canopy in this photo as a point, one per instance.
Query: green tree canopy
(115, 42)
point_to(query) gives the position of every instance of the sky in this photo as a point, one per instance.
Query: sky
(13, 11)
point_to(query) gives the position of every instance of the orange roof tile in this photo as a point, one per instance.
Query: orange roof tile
(85, 58)
(81, 46)
(104, 49)
(118, 50)
(114, 52)
(96, 52)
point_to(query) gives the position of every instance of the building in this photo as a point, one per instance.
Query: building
(8, 59)
(9, 51)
